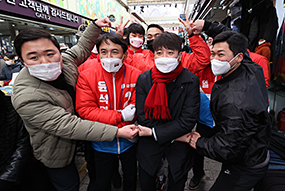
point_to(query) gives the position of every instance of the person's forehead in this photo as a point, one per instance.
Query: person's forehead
(39, 44)
(153, 30)
(163, 48)
(109, 45)
(135, 33)
(221, 46)
(166, 50)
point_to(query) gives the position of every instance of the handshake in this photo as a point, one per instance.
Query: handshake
(130, 131)
(190, 138)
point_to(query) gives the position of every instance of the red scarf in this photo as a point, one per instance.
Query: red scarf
(156, 103)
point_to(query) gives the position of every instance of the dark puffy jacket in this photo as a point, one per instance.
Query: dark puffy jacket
(7, 71)
(239, 105)
(183, 101)
(15, 147)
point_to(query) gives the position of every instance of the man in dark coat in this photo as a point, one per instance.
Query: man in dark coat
(167, 102)
(10, 68)
(239, 105)
(15, 147)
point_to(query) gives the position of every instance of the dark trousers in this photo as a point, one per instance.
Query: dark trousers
(272, 181)
(64, 179)
(147, 182)
(198, 168)
(89, 158)
(238, 178)
(104, 163)
(5, 185)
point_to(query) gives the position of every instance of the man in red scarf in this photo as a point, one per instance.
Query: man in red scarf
(167, 102)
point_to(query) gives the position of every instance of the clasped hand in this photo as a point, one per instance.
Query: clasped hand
(190, 138)
(130, 131)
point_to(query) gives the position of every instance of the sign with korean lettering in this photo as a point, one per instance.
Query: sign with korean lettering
(41, 11)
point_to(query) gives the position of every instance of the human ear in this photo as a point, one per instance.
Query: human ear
(125, 56)
(179, 56)
(240, 57)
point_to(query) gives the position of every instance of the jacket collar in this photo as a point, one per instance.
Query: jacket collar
(130, 51)
(183, 77)
(232, 75)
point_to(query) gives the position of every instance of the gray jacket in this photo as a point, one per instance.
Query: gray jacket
(48, 112)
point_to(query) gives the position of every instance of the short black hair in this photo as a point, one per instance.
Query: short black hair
(32, 34)
(11, 56)
(136, 28)
(167, 40)
(237, 42)
(115, 38)
(155, 26)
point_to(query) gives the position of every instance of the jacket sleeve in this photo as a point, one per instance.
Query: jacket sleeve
(15, 169)
(200, 58)
(175, 128)
(38, 113)
(82, 50)
(87, 105)
(187, 119)
(214, 28)
(229, 144)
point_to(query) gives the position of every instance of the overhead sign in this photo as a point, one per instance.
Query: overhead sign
(41, 11)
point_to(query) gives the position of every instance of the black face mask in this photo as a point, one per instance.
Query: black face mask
(149, 45)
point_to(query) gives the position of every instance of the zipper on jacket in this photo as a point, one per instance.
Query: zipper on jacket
(115, 107)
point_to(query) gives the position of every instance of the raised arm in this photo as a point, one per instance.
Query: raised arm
(200, 58)
(82, 50)
(212, 29)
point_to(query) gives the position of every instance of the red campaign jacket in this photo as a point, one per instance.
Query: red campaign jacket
(94, 57)
(195, 62)
(207, 79)
(264, 63)
(131, 53)
(95, 97)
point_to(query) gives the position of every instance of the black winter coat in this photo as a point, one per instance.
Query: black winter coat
(14, 140)
(8, 70)
(184, 102)
(239, 105)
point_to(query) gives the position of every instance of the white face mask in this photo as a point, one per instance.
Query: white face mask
(136, 42)
(166, 64)
(221, 67)
(112, 65)
(9, 62)
(45, 72)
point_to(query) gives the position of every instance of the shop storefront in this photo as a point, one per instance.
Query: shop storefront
(17, 15)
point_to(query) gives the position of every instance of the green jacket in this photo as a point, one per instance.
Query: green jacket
(48, 112)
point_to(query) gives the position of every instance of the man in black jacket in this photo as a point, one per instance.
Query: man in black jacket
(239, 105)
(167, 103)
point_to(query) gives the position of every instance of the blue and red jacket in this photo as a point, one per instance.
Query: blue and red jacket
(100, 96)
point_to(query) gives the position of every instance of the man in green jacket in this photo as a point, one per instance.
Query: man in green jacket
(44, 97)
